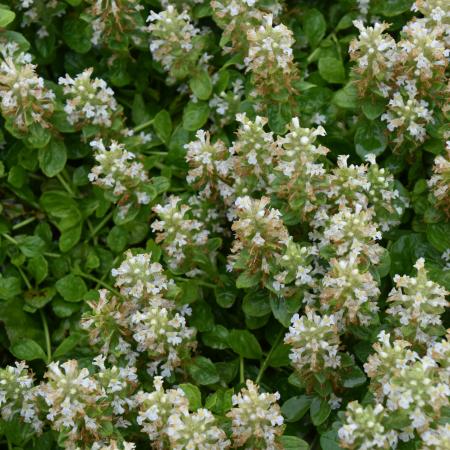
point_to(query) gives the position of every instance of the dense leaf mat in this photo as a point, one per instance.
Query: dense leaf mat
(224, 224)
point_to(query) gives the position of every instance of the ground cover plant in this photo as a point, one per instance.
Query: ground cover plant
(224, 224)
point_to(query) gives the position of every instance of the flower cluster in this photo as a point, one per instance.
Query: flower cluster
(410, 73)
(260, 238)
(18, 395)
(142, 320)
(210, 165)
(26, 103)
(315, 346)
(270, 60)
(439, 183)
(81, 406)
(89, 101)
(416, 304)
(364, 428)
(123, 178)
(116, 24)
(299, 172)
(349, 293)
(398, 376)
(179, 234)
(256, 419)
(175, 43)
(164, 415)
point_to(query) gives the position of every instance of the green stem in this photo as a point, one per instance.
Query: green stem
(25, 278)
(52, 255)
(10, 447)
(266, 361)
(143, 126)
(47, 336)
(65, 185)
(157, 153)
(100, 226)
(241, 370)
(204, 283)
(10, 239)
(23, 223)
(99, 282)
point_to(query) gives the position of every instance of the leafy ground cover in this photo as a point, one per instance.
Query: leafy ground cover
(224, 224)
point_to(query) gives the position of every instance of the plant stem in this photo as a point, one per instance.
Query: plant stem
(142, 126)
(99, 282)
(23, 223)
(267, 359)
(65, 185)
(52, 255)
(10, 239)
(25, 278)
(241, 370)
(47, 336)
(100, 225)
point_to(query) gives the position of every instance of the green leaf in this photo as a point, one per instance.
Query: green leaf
(68, 344)
(64, 309)
(69, 238)
(6, 17)
(195, 115)
(31, 246)
(332, 70)
(77, 34)
(9, 287)
(347, 97)
(330, 441)
(52, 158)
(193, 394)
(28, 350)
(162, 124)
(354, 378)
(245, 344)
(256, 304)
(216, 338)
(407, 249)
(17, 176)
(314, 26)
(373, 107)
(438, 234)
(38, 268)
(296, 407)
(220, 402)
(247, 280)
(370, 138)
(319, 411)
(293, 443)
(391, 8)
(201, 85)
(72, 288)
(225, 298)
(203, 371)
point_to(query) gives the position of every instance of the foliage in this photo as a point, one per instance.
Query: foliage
(224, 224)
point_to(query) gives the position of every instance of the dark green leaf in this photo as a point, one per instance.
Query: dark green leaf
(296, 407)
(320, 410)
(72, 288)
(370, 138)
(28, 350)
(201, 85)
(203, 371)
(195, 115)
(52, 158)
(245, 344)
(332, 70)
